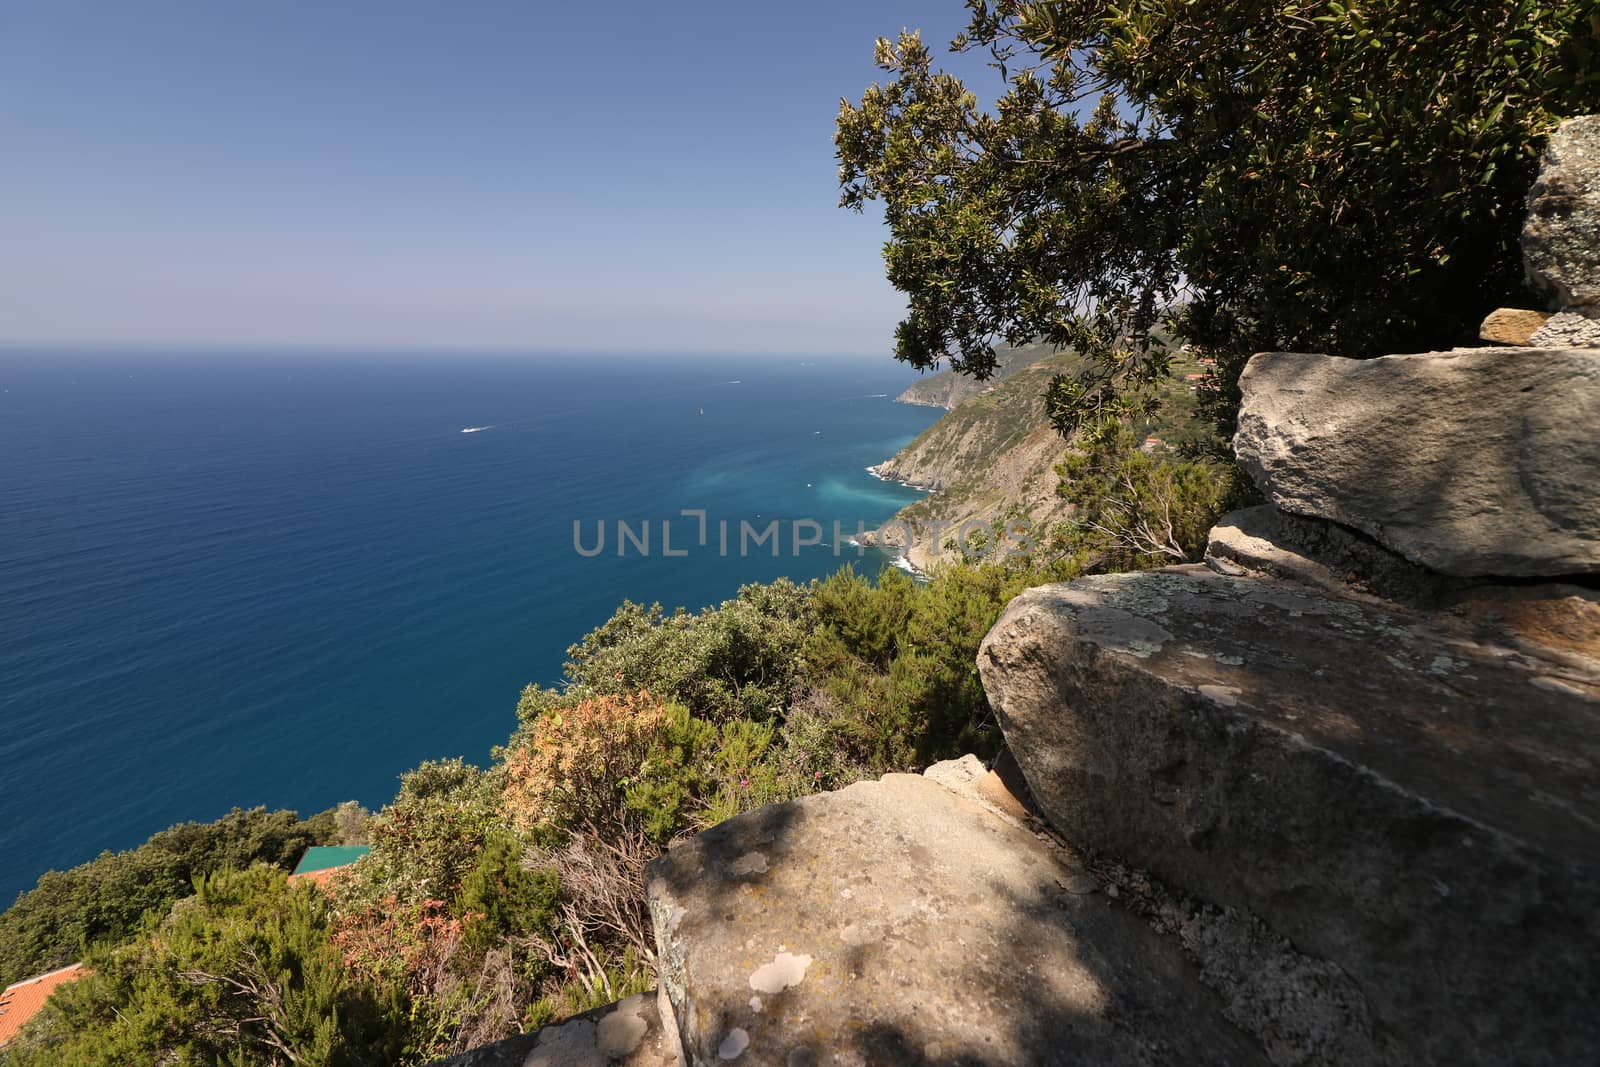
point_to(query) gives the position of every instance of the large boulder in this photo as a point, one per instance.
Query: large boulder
(1561, 237)
(1391, 792)
(896, 922)
(1474, 462)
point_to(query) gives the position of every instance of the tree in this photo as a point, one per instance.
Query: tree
(1132, 509)
(105, 900)
(1330, 175)
(241, 973)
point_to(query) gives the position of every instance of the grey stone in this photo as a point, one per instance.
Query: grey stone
(898, 922)
(1475, 462)
(1389, 791)
(1265, 541)
(1561, 237)
(1568, 329)
(959, 775)
(629, 1033)
(1512, 326)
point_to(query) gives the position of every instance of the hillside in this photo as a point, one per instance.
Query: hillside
(994, 451)
(947, 389)
(995, 454)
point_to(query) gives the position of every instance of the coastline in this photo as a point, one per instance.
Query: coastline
(876, 472)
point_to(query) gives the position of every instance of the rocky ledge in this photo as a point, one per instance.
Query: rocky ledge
(897, 922)
(1472, 462)
(1389, 791)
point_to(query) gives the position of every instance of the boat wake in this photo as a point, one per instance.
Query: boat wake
(475, 429)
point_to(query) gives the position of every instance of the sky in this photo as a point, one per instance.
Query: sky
(625, 176)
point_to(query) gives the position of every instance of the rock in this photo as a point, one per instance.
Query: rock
(968, 777)
(1568, 329)
(1561, 237)
(960, 775)
(896, 922)
(628, 1033)
(1386, 790)
(1553, 621)
(1265, 541)
(1473, 462)
(1512, 326)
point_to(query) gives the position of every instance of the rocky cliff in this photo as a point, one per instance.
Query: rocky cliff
(1327, 798)
(994, 452)
(994, 457)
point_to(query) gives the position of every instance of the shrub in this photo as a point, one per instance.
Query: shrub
(733, 661)
(577, 763)
(107, 899)
(242, 973)
(866, 618)
(1134, 510)
(502, 899)
(429, 838)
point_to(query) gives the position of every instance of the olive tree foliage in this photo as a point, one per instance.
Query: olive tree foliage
(1266, 174)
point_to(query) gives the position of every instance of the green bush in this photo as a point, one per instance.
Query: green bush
(733, 661)
(1132, 509)
(241, 973)
(429, 838)
(107, 899)
(502, 898)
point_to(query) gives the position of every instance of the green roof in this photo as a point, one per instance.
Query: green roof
(322, 857)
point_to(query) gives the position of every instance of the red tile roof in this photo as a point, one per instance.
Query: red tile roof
(322, 877)
(22, 1001)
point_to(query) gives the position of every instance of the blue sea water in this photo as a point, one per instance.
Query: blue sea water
(282, 579)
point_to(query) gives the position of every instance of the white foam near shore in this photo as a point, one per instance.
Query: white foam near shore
(910, 568)
(896, 481)
(899, 561)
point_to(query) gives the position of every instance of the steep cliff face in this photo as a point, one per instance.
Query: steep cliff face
(994, 453)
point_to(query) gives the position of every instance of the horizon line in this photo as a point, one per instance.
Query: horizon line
(143, 347)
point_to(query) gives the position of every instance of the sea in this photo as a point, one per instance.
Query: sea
(238, 578)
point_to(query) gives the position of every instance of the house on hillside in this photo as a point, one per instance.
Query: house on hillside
(22, 1000)
(321, 861)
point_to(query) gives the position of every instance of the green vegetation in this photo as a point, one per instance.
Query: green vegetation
(1295, 175)
(1133, 509)
(243, 971)
(947, 388)
(1270, 170)
(107, 899)
(497, 900)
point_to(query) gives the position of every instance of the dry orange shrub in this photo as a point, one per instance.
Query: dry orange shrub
(575, 768)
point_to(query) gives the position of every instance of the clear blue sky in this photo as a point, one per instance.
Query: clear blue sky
(615, 175)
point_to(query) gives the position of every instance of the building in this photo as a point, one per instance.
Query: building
(321, 861)
(22, 1001)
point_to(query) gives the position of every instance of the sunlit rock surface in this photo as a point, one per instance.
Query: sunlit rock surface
(1473, 462)
(896, 922)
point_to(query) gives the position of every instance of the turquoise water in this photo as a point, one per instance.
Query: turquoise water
(283, 579)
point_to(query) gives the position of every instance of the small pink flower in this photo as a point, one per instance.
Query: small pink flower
(744, 783)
